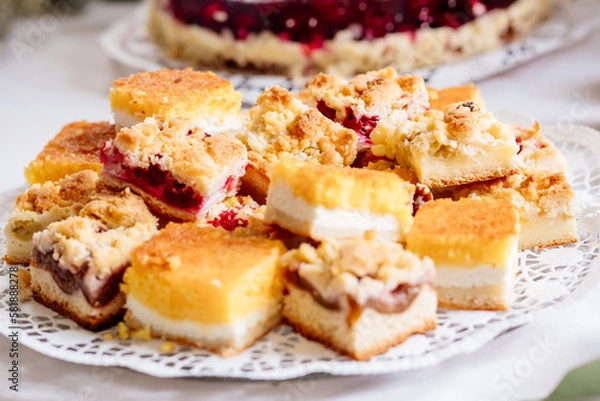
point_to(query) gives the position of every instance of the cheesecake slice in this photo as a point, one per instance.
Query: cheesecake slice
(359, 104)
(359, 296)
(473, 243)
(204, 287)
(461, 145)
(41, 205)
(321, 202)
(178, 169)
(282, 126)
(77, 264)
(209, 101)
(545, 201)
(76, 147)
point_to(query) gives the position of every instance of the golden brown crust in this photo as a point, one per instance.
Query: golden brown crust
(485, 175)
(491, 306)
(76, 147)
(550, 244)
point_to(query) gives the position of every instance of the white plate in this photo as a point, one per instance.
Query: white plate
(128, 43)
(546, 279)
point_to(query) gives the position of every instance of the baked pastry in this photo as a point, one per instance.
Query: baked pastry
(76, 147)
(178, 169)
(462, 145)
(282, 126)
(324, 202)
(233, 212)
(545, 201)
(537, 153)
(473, 243)
(204, 287)
(77, 264)
(209, 101)
(358, 296)
(41, 205)
(303, 37)
(440, 99)
(367, 99)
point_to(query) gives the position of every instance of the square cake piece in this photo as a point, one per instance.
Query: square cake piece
(77, 264)
(545, 201)
(460, 146)
(178, 169)
(204, 287)
(208, 100)
(41, 205)
(325, 201)
(473, 243)
(76, 147)
(282, 126)
(367, 99)
(358, 296)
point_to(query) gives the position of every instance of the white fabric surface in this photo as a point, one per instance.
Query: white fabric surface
(53, 72)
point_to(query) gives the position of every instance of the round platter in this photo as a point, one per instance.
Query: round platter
(127, 42)
(546, 280)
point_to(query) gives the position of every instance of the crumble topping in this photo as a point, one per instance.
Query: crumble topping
(463, 129)
(281, 125)
(361, 268)
(194, 158)
(233, 212)
(537, 153)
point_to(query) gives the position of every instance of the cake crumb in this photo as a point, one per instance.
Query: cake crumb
(108, 336)
(123, 331)
(142, 334)
(167, 347)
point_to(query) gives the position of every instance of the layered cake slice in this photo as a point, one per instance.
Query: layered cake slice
(545, 201)
(41, 205)
(76, 147)
(462, 145)
(537, 153)
(367, 99)
(282, 126)
(77, 264)
(178, 169)
(209, 101)
(321, 202)
(440, 99)
(358, 296)
(473, 243)
(204, 287)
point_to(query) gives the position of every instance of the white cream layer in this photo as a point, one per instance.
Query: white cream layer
(209, 124)
(234, 334)
(477, 276)
(325, 222)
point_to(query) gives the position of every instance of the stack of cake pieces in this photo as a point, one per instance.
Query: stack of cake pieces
(208, 226)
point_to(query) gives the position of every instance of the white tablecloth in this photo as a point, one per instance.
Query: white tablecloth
(54, 73)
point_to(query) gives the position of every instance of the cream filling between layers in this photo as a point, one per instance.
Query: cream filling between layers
(226, 125)
(477, 276)
(234, 334)
(324, 221)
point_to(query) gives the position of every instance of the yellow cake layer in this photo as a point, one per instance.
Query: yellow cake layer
(170, 93)
(331, 187)
(467, 233)
(202, 274)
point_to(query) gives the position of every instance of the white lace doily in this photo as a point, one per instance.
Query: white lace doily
(128, 43)
(546, 279)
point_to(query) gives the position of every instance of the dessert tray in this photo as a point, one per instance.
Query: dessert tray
(127, 42)
(546, 280)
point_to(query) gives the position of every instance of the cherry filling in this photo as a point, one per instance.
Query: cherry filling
(311, 22)
(228, 220)
(363, 126)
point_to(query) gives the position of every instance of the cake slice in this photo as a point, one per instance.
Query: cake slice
(204, 287)
(282, 126)
(321, 202)
(233, 212)
(440, 99)
(77, 264)
(473, 243)
(462, 145)
(538, 154)
(545, 201)
(41, 205)
(358, 296)
(367, 99)
(178, 169)
(76, 147)
(209, 101)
